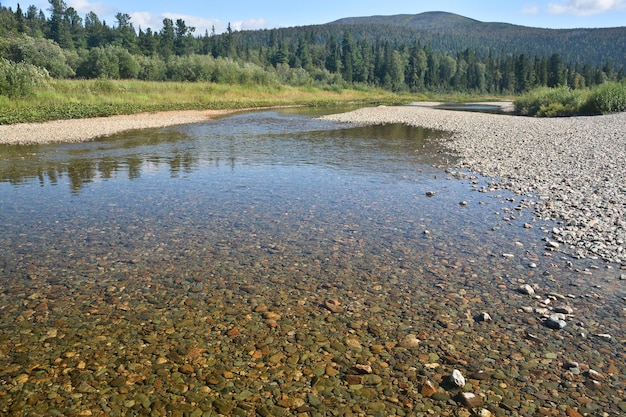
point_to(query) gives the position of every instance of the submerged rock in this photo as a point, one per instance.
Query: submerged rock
(457, 378)
(333, 306)
(482, 317)
(556, 322)
(526, 289)
(469, 400)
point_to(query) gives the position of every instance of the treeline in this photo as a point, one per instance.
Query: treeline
(332, 56)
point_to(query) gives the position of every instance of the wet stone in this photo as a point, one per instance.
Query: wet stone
(556, 322)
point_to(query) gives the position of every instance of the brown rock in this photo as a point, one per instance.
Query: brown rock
(232, 333)
(469, 400)
(261, 308)
(333, 305)
(428, 389)
(364, 369)
(270, 315)
(572, 413)
(354, 379)
(187, 369)
(410, 342)
(595, 375)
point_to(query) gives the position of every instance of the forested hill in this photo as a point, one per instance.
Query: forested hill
(449, 33)
(433, 51)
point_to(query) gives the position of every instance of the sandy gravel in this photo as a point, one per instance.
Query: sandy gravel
(571, 169)
(81, 130)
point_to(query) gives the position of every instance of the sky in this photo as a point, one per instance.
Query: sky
(258, 14)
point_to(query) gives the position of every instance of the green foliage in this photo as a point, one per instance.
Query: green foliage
(112, 62)
(543, 102)
(20, 79)
(40, 52)
(607, 98)
(562, 101)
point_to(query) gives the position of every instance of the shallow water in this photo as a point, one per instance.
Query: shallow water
(189, 271)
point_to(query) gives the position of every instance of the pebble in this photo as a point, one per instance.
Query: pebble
(556, 322)
(410, 342)
(595, 375)
(428, 389)
(469, 400)
(333, 306)
(457, 378)
(481, 317)
(526, 289)
(564, 309)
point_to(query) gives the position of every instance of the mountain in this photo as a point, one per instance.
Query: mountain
(450, 33)
(436, 21)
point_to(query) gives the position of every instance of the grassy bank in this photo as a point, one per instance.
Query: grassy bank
(73, 99)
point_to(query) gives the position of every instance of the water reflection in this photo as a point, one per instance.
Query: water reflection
(252, 138)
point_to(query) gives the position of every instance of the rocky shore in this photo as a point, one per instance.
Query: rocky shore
(81, 130)
(569, 169)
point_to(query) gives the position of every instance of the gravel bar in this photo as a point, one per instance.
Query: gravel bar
(82, 130)
(572, 169)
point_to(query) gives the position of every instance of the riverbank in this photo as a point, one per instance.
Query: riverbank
(81, 130)
(568, 169)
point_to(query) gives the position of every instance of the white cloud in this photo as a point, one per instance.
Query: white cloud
(586, 7)
(250, 24)
(200, 23)
(83, 7)
(146, 20)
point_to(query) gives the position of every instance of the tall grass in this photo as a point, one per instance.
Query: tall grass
(607, 98)
(69, 99)
(544, 101)
(563, 101)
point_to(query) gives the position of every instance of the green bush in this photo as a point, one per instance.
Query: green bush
(151, 69)
(20, 79)
(39, 52)
(543, 102)
(111, 62)
(607, 98)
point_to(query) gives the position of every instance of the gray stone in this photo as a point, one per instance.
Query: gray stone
(526, 289)
(555, 322)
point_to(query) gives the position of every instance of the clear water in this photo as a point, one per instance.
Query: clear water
(139, 248)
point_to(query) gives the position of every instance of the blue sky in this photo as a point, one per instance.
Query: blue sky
(255, 14)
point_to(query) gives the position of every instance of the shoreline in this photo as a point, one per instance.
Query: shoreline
(566, 169)
(83, 130)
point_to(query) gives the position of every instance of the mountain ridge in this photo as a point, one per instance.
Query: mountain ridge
(449, 33)
(438, 20)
